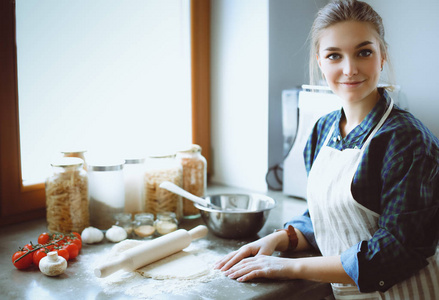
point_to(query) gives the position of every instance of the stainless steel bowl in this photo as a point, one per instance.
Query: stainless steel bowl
(241, 215)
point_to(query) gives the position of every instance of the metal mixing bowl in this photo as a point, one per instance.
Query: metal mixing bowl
(241, 215)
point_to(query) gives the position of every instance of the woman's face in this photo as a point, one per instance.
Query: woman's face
(350, 58)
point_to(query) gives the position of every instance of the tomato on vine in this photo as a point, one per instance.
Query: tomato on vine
(29, 246)
(64, 253)
(38, 255)
(43, 238)
(21, 259)
(72, 249)
(76, 241)
(66, 245)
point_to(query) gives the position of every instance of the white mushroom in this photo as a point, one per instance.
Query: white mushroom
(52, 264)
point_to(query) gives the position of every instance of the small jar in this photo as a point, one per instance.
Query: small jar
(194, 178)
(107, 193)
(166, 222)
(133, 178)
(156, 199)
(144, 225)
(125, 221)
(67, 202)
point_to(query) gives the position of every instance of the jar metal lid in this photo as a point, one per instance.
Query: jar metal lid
(132, 161)
(105, 166)
(162, 156)
(72, 151)
(143, 216)
(67, 162)
(194, 148)
(166, 215)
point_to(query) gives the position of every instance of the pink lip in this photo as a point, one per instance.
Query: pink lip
(351, 83)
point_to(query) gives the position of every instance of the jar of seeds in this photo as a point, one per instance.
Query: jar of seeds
(194, 177)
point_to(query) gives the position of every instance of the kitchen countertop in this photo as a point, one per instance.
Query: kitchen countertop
(78, 282)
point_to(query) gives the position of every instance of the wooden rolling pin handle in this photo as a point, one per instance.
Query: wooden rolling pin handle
(198, 232)
(112, 267)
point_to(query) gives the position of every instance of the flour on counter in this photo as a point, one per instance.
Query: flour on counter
(181, 265)
(183, 276)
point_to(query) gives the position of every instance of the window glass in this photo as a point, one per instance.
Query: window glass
(108, 76)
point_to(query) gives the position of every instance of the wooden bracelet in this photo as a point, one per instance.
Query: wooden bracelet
(292, 236)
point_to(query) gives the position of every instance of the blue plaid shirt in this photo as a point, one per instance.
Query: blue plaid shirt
(398, 178)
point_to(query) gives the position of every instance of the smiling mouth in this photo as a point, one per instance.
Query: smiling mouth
(351, 83)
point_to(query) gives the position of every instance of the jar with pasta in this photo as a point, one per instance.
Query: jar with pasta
(67, 202)
(156, 199)
(107, 192)
(194, 178)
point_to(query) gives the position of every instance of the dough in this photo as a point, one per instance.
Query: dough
(181, 265)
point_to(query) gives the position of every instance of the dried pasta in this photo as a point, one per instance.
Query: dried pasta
(67, 202)
(159, 200)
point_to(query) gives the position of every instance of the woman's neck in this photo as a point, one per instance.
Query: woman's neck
(356, 111)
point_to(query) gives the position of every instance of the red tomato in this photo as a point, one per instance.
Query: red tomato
(38, 255)
(50, 248)
(76, 241)
(61, 242)
(29, 246)
(77, 235)
(24, 262)
(72, 249)
(64, 253)
(44, 238)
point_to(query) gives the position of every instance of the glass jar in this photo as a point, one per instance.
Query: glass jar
(107, 193)
(166, 222)
(67, 202)
(76, 153)
(125, 221)
(194, 178)
(133, 178)
(156, 199)
(144, 225)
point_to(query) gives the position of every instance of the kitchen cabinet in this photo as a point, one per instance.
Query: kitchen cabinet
(78, 282)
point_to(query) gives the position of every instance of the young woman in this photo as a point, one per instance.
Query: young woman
(373, 179)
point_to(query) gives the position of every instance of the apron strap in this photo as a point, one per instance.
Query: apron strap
(380, 123)
(374, 131)
(329, 134)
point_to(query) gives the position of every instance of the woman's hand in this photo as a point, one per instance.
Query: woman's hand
(262, 266)
(264, 246)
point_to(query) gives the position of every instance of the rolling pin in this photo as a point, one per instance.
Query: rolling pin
(151, 251)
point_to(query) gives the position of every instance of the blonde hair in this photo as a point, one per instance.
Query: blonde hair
(340, 11)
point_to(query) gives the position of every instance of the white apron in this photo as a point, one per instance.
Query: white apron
(340, 222)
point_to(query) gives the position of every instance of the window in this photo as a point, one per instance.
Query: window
(21, 202)
(108, 76)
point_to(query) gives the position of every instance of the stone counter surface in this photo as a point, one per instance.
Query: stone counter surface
(78, 282)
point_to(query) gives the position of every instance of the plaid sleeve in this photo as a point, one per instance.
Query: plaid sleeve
(409, 218)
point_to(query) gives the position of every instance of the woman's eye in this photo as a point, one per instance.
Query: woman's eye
(333, 56)
(365, 53)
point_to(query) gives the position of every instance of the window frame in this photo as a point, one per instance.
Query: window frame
(20, 202)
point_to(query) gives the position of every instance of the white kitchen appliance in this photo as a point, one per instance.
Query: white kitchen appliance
(310, 104)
